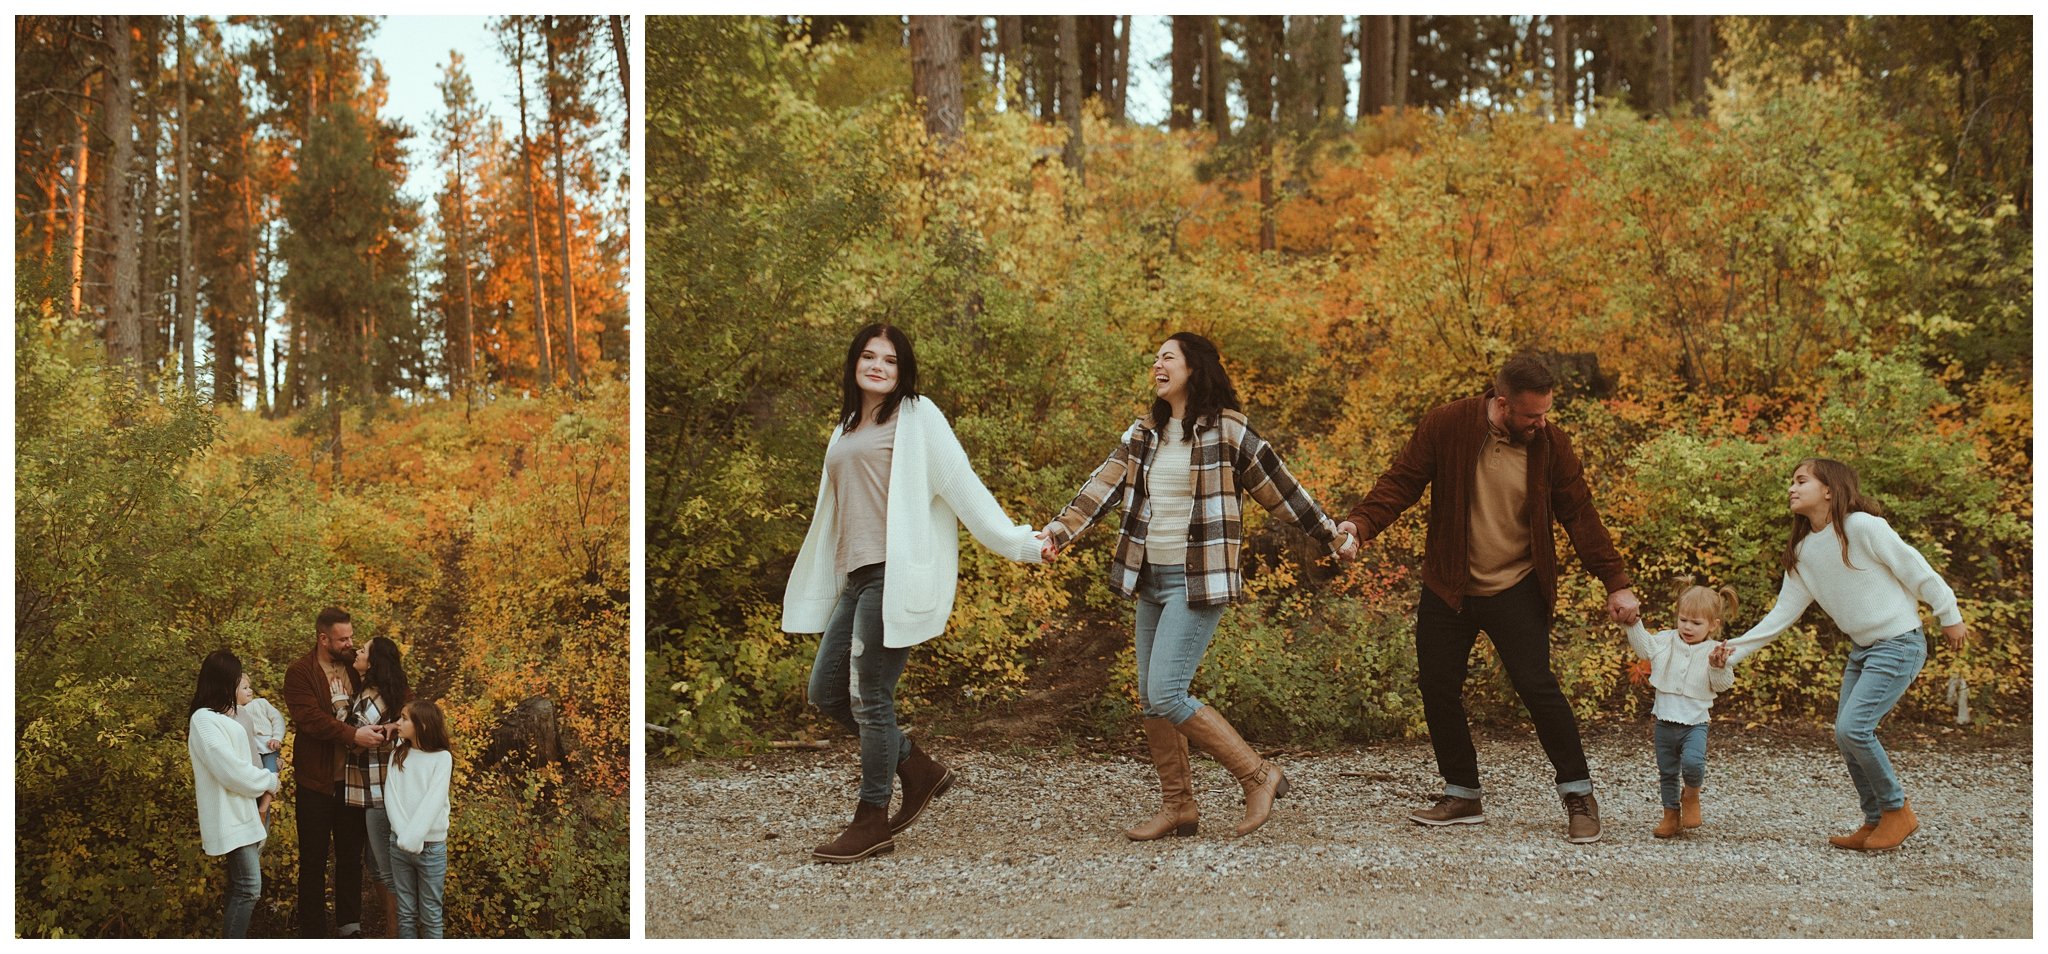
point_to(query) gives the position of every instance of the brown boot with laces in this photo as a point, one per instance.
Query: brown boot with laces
(1450, 810)
(1582, 819)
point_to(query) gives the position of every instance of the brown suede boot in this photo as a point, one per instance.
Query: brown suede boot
(1689, 806)
(1892, 827)
(1176, 789)
(1853, 840)
(868, 835)
(1669, 827)
(924, 779)
(1262, 780)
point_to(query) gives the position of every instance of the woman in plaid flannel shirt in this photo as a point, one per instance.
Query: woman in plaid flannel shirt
(1180, 474)
(384, 693)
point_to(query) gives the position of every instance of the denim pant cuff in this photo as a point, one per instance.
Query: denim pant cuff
(1583, 786)
(1460, 791)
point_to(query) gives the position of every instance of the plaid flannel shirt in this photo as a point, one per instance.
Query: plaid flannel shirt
(362, 776)
(1229, 460)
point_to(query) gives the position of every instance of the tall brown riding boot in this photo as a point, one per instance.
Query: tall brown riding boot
(1170, 756)
(1262, 780)
(1893, 825)
(1689, 806)
(924, 779)
(868, 835)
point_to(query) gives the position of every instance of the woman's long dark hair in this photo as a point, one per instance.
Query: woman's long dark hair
(1846, 498)
(220, 674)
(428, 726)
(849, 386)
(1209, 390)
(387, 676)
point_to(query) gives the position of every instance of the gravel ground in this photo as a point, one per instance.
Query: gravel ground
(1028, 843)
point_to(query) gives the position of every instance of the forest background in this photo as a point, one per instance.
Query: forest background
(1742, 241)
(253, 377)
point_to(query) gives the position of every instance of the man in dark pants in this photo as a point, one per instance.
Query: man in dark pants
(318, 690)
(1500, 475)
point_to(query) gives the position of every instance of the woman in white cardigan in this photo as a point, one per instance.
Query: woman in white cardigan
(226, 781)
(878, 570)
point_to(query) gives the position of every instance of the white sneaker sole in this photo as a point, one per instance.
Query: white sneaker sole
(1461, 820)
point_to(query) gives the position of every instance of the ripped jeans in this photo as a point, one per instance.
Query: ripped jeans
(853, 681)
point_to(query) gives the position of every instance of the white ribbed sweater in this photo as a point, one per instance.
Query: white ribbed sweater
(1878, 599)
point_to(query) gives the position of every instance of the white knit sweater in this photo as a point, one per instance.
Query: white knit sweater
(1877, 599)
(225, 781)
(1686, 684)
(932, 490)
(416, 798)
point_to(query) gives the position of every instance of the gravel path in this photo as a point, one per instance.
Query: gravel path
(1028, 844)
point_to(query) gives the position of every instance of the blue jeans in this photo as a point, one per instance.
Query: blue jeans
(416, 879)
(1873, 681)
(245, 883)
(1681, 751)
(1171, 638)
(853, 681)
(270, 762)
(377, 828)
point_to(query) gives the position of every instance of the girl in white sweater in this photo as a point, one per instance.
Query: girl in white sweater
(878, 569)
(1871, 583)
(416, 802)
(1686, 676)
(226, 782)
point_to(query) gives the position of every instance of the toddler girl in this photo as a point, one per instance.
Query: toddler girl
(1687, 675)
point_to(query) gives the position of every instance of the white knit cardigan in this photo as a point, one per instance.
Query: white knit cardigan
(226, 782)
(932, 490)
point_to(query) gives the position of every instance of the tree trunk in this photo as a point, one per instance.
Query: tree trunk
(1264, 35)
(1182, 62)
(1332, 54)
(618, 24)
(81, 183)
(1702, 62)
(1215, 87)
(935, 76)
(1122, 75)
(1404, 40)
(545, 368)
(467, 351)
(1010, 49)
(187, 300)
(555, 121)
(259, 274)
(1070, 94)
(1561, 66)
(124, 318)
(158, 316)
(1046, 85)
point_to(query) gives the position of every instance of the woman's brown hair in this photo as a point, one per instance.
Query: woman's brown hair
(1846, 498)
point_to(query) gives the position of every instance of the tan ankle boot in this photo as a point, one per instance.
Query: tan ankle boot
(1892, 827)
(1853, 840)
(1176, 789)
(1689, 806)
(1262, 780)
(1670, 826)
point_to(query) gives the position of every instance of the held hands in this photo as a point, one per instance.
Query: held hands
(276, 744)
(1347, 532)
(1623, 606)
(369, 736)
(1719, 657)
(1046, 551)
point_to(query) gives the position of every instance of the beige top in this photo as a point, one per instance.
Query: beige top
(1170, 485)
(1499, 542)
(857, 468)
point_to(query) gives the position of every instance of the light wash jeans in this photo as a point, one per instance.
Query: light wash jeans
(1171, 638)
(1681, 752)
(853, 681)
(245, 884)
(1873, 681)
(377, 829)
(416, 879)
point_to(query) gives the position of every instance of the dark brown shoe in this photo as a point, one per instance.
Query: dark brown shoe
(1262, 780)
(1450, 810)
(1178, 817)
(923, 779)
(1582, 819)
(866, 837)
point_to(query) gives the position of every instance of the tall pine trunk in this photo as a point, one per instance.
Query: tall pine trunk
(124, 317)
(555, 122)
(81, 183)
(1182, 60)
(1561, 66)
(618, 25)
(1216, 111)
(1702, 62)
(1660, 71)
(1403, 41)
(541, 347)
(187, 299)
(1010, 48)
(1264, 36)
(1070, 93)
(935, 76)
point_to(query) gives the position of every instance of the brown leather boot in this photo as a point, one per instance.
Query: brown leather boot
(1853, 840)
(1892, 827)
(1262, 780)
(1670, 826)
(1170, 756)
(924, 779)
(1689, 806)
(867, 836)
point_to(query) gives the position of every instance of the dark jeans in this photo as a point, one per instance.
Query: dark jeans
(1681, 756)
(324, 815)
(1518, 624)
(853, 680)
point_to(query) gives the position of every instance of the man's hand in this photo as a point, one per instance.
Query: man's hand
(368, 737)
(1957, 635)
(1348, 532)
(1623, 606)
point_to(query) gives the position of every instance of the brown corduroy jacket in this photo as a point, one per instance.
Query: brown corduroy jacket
(1444, 453)
(320, 741)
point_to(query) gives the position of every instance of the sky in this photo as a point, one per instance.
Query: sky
(414, 51)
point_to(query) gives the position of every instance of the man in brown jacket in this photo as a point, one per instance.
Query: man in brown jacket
(1501, 473)
(318, 690)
